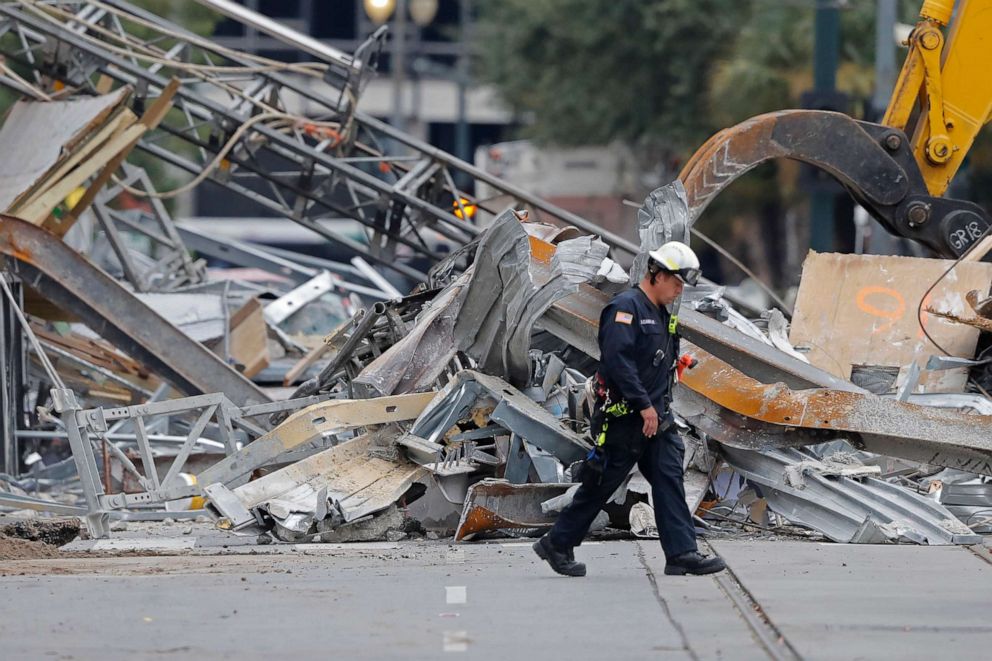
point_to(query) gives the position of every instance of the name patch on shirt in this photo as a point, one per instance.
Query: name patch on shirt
(624, 318)
(648, 322)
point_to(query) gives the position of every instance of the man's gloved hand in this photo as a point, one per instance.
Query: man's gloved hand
(590, 471)
(650, 417)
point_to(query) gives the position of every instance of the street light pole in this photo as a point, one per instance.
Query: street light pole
(462, 137)
(399, 66)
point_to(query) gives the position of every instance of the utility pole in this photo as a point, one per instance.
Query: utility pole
(826, 49)
(399, 66)
(885, 56)
(462, 137)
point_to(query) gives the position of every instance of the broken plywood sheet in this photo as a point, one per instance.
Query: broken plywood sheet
(37, 136)
(861, 310)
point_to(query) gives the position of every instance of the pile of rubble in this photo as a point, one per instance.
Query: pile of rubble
(309, 399)
(463, 407)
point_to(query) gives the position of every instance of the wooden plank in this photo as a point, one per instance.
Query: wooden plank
(104, 84)
(304, 363)
(93, 350)
(39, 209)
(979, 251)
(155, 113)
(124, 93)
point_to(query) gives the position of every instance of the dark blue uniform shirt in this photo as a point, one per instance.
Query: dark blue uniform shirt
(632, 332)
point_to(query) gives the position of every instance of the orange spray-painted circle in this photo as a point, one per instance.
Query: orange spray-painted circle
(887, 312)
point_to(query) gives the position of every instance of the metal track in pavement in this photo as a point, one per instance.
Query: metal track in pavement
(765, 631)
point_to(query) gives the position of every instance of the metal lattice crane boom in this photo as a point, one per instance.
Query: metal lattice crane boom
(233, 112)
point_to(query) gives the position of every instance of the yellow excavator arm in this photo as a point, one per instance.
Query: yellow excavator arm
(950, 82)
(899, 169)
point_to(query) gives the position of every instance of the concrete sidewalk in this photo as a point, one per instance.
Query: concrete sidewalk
(853, 601)
(425, 600)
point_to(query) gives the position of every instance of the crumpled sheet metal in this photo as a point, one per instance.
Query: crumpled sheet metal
(343, 481)
(415, 362)
(663, 217)
(465, 316)
(840, 464)
(504, 405)
(490, 312)
(576, 261)
(778, 333)
(497, 504)
(579, 260)
(510, 292)
(847, 510)
(740, 411)
(499, 277)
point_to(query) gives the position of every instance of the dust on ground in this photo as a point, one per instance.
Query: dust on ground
(15, 548)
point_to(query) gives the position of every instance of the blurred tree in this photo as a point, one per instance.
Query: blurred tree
(665, 75)
(191, 15)
(594, 71)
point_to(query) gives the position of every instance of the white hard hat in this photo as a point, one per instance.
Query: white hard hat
(678, 259)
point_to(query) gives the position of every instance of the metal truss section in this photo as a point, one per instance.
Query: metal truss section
(83, 425)
(168, 264)
(13, 368)
(69, 281)
(215, 420)
(231, 117)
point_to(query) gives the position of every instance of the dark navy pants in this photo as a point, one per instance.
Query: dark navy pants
(660, 460)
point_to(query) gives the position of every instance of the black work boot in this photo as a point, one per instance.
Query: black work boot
(562, 562)
(694, 562)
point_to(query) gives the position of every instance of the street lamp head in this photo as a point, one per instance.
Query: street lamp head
(422, 11)
(379, 10)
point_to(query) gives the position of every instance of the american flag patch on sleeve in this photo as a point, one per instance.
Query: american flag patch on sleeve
(624, 318)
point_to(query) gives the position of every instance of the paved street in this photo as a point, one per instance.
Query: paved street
(428, 600)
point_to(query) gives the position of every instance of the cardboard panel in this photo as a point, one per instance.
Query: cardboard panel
(249, 345)
(862, 310)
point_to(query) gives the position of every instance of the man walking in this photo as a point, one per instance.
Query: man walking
(632, 422)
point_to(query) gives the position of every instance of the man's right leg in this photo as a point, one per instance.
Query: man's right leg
(624, 446)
